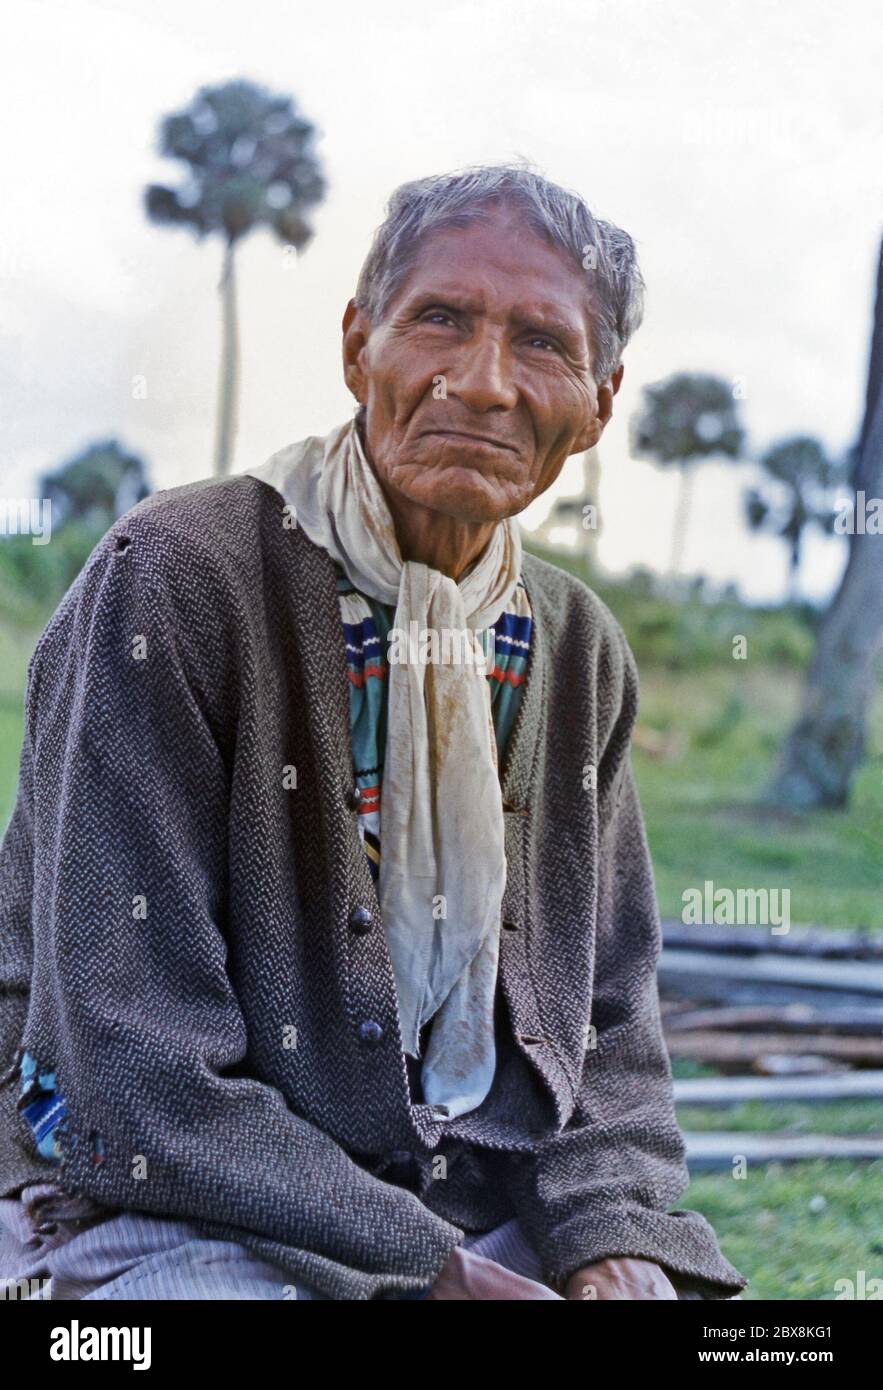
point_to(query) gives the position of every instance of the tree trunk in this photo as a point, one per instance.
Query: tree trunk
(827, 745)
(682, 516)
(875, 372)
(794, 572)
(591, 494)
(229, 380)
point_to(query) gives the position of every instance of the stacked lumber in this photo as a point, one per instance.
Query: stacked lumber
(783, 1020)
(744, 999)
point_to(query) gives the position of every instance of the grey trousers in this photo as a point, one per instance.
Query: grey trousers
(138, 1256)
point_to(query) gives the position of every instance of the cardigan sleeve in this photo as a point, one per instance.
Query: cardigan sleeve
(20, 1161)
(130, 990)
(602, 1186)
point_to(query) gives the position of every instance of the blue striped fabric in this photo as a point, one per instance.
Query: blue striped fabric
(366, 627)
(42, 1106)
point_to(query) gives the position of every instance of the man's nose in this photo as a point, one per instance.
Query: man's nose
(482, 376)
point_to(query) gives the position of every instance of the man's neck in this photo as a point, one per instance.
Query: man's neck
(442, 542)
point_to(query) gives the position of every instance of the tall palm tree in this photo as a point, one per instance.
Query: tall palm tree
(687, 417)
(250, 163)
(800, 478)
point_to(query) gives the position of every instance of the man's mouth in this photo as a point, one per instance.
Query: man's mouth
(471, 438)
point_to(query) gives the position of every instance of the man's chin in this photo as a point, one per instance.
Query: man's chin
(464, 504)
(462, 492)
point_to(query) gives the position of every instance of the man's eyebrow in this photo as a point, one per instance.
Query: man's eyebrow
(536, 318)
(567, 328)
(453, 298)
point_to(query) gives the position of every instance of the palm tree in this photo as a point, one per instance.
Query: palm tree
(685, 418)
(250, 163)
(801, 475)
(96, 486)
(86, 495)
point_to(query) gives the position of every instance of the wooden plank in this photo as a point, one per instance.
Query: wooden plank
(796, 1064)
(728, 1049)
(711, 989)
(735, 1090)
(820, 942)
(718, 1150)
(854, 977)
(788, 1018)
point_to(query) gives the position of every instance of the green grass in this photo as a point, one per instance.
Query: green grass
(723, 721)
(702, 807)
(771, 1225)
(794, 1230)
(786, 1117)
(10, 749)
(17, 641)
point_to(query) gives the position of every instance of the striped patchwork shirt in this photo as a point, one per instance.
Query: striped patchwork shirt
(366, 628)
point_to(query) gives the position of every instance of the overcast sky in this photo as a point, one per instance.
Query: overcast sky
(740, 144)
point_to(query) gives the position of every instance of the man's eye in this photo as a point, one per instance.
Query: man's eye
(547, 342)
(436, 314)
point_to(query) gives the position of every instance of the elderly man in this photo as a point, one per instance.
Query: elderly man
(329, 956)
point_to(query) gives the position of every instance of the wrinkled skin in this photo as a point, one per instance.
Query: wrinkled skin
(467, 1276)
(505, 319)
(621, 1278)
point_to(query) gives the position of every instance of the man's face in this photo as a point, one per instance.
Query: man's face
(489, 335)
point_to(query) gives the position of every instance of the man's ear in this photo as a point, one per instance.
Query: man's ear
(606, 391)
(355, 337)
(589, 437)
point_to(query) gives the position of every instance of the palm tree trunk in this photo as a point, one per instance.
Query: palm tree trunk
(229, 380)
(682, 516)
(794, 572)
(875, 372)
(827, 744)
(591, 494)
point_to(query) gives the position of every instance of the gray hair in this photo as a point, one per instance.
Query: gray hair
(455, 200)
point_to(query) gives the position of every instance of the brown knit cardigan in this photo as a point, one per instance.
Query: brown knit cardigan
(224, 1046)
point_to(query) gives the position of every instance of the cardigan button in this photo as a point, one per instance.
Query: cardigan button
(353, 798)
(361, 921)
(370, 1033)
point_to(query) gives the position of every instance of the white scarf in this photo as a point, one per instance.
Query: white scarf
(442, 855)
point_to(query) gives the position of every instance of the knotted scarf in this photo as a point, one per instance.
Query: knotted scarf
(442, 865)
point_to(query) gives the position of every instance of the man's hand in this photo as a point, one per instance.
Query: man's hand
(469, 1276)
(619, 1278)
